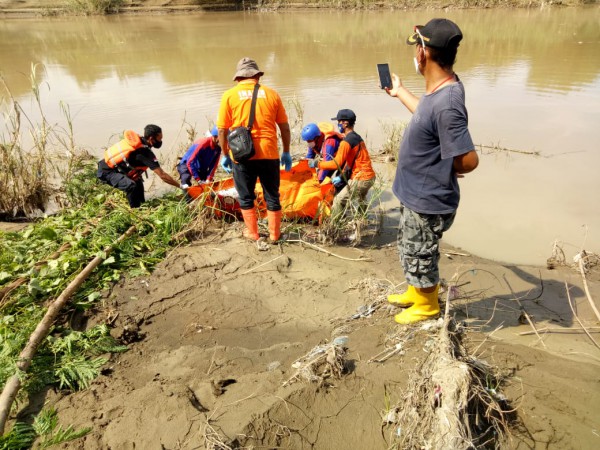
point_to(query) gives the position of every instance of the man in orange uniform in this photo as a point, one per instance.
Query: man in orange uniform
(264, 165)
(352, 158)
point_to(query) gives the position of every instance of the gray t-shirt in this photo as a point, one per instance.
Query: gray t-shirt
(425, 180)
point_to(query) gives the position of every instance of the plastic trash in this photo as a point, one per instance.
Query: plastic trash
(341, 341)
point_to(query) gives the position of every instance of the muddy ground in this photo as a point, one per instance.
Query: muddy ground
(214, 332)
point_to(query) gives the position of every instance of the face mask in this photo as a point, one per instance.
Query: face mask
(340, 128)
(416, 65)
(157, 144)
(311, 145)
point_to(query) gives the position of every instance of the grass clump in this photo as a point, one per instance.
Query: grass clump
(393, 132)
(91, 7)
(355, 222)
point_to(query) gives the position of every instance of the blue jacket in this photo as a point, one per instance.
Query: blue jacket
(202, 158)
(327, 151)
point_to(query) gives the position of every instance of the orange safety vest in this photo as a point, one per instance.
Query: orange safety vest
(329, 131)
(119, 152)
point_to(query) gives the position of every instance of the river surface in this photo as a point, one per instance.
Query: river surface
(532, 79)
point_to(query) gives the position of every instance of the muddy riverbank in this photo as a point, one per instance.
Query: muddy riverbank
(58, 7)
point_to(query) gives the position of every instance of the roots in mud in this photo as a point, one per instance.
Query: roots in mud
(452, 400)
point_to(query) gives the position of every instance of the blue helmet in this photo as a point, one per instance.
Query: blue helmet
(310, 132)
(214, 132)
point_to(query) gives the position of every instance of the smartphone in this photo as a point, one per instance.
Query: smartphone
(385, 78)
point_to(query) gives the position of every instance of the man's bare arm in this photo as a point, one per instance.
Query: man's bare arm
(166, 177)
(286, 136)
(223, 141)
(398, 90)
(466, 162)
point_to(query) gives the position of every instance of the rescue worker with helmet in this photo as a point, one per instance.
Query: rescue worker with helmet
(324, 141)
(354, 163)
(125, 162)
(200, 160)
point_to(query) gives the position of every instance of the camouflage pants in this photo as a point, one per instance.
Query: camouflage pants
(418, 245)
(356, 189)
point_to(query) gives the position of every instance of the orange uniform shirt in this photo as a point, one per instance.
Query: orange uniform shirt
(235, 111)
(362, 170)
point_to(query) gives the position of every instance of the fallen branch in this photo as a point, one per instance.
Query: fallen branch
(454, 253)
(587, 289)
(316, 247)
(13, 384)
(510, 150)
(577, 318)
(523, 312)
(261, 265)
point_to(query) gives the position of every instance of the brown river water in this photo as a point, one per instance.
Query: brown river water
(532, 79)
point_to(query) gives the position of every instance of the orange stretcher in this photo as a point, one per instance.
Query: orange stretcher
(301, 195)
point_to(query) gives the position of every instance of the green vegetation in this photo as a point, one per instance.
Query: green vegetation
(45, 428)
(39, 262)
(50, 253)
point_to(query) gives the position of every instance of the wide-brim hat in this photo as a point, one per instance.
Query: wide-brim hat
(345, 114)
(246, 68)
(437, 33)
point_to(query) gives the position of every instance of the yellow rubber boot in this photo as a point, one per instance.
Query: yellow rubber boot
(403, 300)
(274, 219)
(425, 306)
(251, 222)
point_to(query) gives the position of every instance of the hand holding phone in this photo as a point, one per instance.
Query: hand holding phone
(385, 78)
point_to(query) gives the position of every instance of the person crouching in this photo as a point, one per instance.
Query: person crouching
(125, 162)
(200, 160)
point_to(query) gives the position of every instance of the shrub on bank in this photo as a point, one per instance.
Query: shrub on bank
(94, 6)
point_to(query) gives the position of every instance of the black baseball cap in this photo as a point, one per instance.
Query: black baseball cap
(345, 114)
(437, 33)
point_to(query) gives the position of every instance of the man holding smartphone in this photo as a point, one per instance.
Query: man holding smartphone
(436, 150)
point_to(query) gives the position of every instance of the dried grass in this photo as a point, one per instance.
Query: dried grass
(589, 260)
(213, 440)
(322, 364)
(295, 110)
(393, 132)
(37, 158)
(353, 224)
